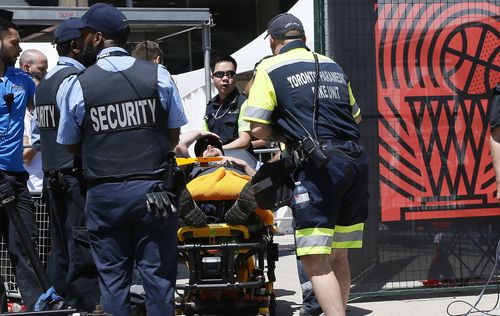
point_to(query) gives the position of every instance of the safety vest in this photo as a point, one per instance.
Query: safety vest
(124, 127)
(54, 156)
(292, 75)
(223, 119)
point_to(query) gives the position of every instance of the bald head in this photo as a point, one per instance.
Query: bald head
(34, 62)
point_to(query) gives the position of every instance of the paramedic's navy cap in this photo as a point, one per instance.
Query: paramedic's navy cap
(6, 15)
(104, 18)
(202, 143)
(67, 30)
(283, 23)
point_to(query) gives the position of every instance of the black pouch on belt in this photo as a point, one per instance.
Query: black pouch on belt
(56, 181)
(312, 152)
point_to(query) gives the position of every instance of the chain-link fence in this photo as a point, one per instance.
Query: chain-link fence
(43, 245)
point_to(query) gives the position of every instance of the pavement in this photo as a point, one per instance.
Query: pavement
(289, 297)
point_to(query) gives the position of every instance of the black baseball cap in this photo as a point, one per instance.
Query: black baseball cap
(282, 24)
(203, 142)
(105, 18)
(67, 30)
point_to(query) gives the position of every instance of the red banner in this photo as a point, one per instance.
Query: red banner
(436, 66)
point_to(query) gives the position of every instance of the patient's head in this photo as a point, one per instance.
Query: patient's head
(208, 146)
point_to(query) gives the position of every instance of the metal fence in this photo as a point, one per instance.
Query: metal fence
(43, 245)
(43, 242)
(411, 256)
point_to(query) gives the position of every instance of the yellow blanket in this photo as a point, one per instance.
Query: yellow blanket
(223, 185)
(219, 185)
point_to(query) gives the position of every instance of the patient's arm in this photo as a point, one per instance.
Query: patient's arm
(187, 138)
(241, 163)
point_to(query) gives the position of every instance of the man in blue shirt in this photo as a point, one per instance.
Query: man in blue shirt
(124, 114)
(17, 89)
(70, 267)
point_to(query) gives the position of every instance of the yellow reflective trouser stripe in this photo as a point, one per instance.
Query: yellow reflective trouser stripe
(347, 244)
(315, 241)
(314, 251)
(258, 114)
(348, 236)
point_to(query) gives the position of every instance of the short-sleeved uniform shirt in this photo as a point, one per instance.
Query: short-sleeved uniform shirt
(288, 79)
(62, 62)
(226, 120)
(282, 95)
(17, 89)
(73, 106)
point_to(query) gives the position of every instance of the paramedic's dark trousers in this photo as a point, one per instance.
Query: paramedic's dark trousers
(28, 283)
(121, 229)
(71, 268)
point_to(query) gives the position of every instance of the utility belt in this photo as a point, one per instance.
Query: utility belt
(56, 178)
(313, 151)
(349, 148)
(162, 200)
(112, 179)
(65, 171)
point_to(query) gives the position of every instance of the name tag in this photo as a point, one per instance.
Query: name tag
(46, 116)
(124, 115)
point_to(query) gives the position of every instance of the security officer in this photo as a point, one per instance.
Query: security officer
(126, 114)
(70, 265)
(308, 100)
(495, 135)
(223, 113)
(17, 90)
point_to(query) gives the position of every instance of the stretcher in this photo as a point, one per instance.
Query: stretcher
(230, 267)
(231, 271)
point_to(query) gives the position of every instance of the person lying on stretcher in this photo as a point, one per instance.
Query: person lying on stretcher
(217, 190)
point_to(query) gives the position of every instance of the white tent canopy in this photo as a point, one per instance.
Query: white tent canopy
(191, 85)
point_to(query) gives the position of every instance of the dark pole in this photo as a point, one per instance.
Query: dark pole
(8, 198)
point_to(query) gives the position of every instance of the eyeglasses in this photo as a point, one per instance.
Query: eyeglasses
(221, 74)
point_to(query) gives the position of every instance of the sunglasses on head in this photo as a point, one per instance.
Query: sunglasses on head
(221, 74)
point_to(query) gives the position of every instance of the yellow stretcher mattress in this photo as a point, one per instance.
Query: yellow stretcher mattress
(223, 185)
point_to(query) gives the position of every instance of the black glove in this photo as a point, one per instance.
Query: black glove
(160, 203)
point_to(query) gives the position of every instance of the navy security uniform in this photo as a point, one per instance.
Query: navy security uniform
(17, 83)
(222, 119)
(338, 190)
(71, 268)
(124, 144)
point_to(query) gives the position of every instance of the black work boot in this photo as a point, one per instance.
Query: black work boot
(243, 207)
(189, 211)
